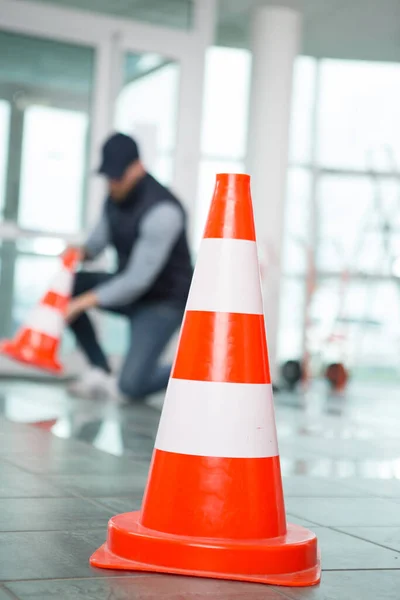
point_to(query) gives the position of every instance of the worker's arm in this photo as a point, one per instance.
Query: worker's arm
(158, 233)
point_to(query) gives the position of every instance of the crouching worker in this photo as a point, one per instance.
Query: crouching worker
(146, 225)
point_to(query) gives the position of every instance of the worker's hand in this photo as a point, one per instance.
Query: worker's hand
(80, 249)
(79, 304)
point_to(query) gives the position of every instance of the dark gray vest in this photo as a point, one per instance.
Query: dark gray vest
(173, 283)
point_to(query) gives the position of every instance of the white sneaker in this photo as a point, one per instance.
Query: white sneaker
(95, 384)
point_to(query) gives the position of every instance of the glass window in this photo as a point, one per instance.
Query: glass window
(4, 137)
(358, 221)
(164, 169)
(291, 319)
(207, 175)
(114, 334)
(296, 242)
(226, 103)
(304, 80)
(357, 321)
(358, 115)
(53, 169)
(344, 205)
(32, 277)
(140, 113)
(49, 87)
(355, 308)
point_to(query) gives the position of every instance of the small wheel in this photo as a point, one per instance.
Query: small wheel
(292, 373)
(337, 376)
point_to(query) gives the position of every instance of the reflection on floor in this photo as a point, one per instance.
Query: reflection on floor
(354, 435)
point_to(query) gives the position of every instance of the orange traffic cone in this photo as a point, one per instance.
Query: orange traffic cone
(214, 504)
(37, 343)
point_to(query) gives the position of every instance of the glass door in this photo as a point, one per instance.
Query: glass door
(68, 78)
(45, 101)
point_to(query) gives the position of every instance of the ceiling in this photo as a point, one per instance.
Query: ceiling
(172, 13)
(353, 29)
(357, 29)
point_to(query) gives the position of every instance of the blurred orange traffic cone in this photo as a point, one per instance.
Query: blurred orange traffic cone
(214, 506)
(37, 343)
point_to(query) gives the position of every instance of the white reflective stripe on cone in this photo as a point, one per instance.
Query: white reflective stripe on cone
(47, 320)
(62, 283)
(227, 278)
(203, 418)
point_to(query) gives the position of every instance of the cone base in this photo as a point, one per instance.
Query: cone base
(291, 560)
(30, 358)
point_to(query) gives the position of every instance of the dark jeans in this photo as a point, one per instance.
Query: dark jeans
(152, 325)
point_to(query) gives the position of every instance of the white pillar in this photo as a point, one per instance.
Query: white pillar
(187, 153)
(106, 83)
(275, 45)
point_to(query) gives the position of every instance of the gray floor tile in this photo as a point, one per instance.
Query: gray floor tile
(96, 486)
(350, 512)
(48, 555)
(9, 426)
(385, 536)
(383, 488)
(347, 449)
(312, 442)
(149, 587)
(300, 521)
(17, 483)
(6, 594)
(318, 487)
(122, 505)
(89, 463)
(29, 441)
(51, 514)
(342, 551)
(351, 585)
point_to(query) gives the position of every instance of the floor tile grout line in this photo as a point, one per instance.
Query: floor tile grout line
(110, 575)
(366, 570)
(281, 593)
(47, 475)
(46, 497)
(9, 593)
(47, 479)
(65, 530)
(101, 505)
(41, 477)
(144, 575)
(308, 522)
(358, 537)
(313, 523)
(335, 528)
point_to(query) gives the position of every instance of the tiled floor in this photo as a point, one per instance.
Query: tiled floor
(58, 488)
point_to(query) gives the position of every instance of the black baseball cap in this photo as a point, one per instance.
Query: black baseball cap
(118, 153)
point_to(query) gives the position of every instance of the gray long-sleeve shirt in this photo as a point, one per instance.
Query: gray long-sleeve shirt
(159, 230)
